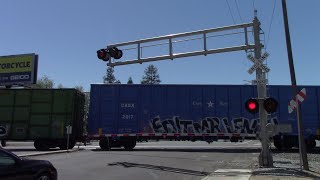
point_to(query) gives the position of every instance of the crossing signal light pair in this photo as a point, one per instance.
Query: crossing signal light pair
(105, 54)
(269, 104)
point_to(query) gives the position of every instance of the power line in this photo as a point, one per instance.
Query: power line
(274, 6)
(253, 5)
(238, 10)
(267, 40)
(231, 12)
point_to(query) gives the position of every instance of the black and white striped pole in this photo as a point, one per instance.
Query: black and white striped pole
(302, 147)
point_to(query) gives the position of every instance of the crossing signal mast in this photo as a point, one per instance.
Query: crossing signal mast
(112, 54)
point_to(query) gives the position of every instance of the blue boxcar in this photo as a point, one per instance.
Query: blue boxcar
(195, 111)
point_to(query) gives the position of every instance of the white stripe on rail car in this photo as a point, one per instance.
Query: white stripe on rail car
(181, 134)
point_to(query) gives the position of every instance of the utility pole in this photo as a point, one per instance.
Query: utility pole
(302, 147)
(265, 157)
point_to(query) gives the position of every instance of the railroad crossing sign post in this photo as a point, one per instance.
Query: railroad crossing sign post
(258, 63)
(265, 157)
(112, 54)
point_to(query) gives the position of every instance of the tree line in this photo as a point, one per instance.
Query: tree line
(151, 76)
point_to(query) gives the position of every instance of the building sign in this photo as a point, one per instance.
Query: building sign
(18, 69)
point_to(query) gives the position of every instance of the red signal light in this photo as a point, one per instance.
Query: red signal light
(103, 55)
(252, 106)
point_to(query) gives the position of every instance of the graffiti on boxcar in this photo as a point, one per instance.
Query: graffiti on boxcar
(207, 125)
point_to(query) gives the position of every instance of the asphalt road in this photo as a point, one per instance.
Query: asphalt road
(21, 148)
(152, 160)
(155, 160)
(147, 164)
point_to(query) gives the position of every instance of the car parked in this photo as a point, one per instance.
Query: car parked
(12, 167)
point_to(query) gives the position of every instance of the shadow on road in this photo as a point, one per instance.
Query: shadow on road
(285, 172)
(161, 168)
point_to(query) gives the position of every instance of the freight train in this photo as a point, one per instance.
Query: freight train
(121, 115)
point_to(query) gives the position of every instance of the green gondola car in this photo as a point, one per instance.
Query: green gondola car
(42, 115)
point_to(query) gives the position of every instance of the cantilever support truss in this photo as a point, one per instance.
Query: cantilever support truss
(170, 40)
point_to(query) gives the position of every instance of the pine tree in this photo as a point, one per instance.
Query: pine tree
(130, 81)
(109, 78)
(151, 75)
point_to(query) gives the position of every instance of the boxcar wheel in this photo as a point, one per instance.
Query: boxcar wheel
(311, 144)
(287, 146)
(129, 145)
(104, 144)
(40, 145)
(63, 145)
(277, 143)
(3, 143)
(283, 144)
(72, 144)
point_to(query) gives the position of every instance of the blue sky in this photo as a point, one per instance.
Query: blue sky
(67, 34)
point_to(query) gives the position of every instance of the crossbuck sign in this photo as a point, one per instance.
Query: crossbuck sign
(258, 63)
(301, 96)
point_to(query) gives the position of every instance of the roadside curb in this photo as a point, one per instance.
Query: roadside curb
(267, 173)
(50, 152)
(311, 173)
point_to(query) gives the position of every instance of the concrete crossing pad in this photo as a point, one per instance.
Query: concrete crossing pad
(229, 174)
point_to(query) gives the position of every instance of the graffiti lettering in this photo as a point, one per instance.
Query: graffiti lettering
(207, 125)
(226, 125)
(157, 126)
